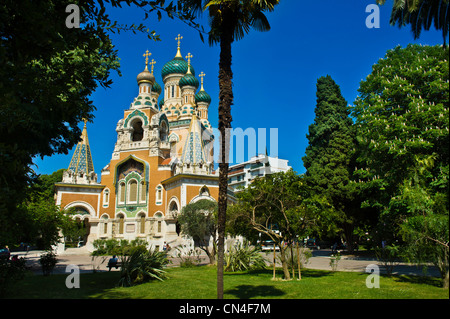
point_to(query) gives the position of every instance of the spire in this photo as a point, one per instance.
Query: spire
(146, 55)
(82, 159)
(193, 151)
(153, 64)
(189, 57)
(145, 76)
(202, 75)
(178, 39)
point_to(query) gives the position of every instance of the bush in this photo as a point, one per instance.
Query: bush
(244, 257)
(142, 265)
(334, 260)
(48, 262)
(10, 272)
(305, 254)
(188, 257)
(389, 255)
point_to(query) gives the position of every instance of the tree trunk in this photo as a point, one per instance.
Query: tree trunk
(225, 102)
(298, 263)
(445, 281)
(292, 261)
(274, 262)
(284, 264)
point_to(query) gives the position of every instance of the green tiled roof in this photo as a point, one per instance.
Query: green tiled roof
(176, 65)
(190, 80)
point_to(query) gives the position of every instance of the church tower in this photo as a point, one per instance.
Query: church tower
(161, 162)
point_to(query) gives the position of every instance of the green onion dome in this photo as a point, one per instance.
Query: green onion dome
(176, 66)
(189, 80)
(161, 103)
(202, 96)
(156, 88)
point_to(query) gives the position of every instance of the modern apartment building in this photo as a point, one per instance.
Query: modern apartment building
(241, 175)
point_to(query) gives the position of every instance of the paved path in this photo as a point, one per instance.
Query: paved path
(320, 260)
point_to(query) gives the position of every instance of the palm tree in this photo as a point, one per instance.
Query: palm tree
(229, 21)
(421, 14)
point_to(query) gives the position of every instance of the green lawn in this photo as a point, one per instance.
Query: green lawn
(200, 283)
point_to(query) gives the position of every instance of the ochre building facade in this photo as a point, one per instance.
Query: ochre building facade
(161, 162)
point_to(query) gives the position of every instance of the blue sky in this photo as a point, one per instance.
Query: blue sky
(275, 72)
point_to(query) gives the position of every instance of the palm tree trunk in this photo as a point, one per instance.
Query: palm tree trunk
(225, 102)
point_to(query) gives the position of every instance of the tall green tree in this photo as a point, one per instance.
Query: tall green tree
(37, 219)
(402, 114)
(421, 15)
(199, 221)
(426, 228)
(48, 73)
(229, 21)
(329, 156)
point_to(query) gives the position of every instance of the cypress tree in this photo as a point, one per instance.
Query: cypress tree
(329, 157)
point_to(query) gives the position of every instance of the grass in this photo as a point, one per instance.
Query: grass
(200, 283)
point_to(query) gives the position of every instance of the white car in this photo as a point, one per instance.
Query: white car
(268, 246)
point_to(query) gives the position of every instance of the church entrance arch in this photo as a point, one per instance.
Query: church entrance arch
(81, 212)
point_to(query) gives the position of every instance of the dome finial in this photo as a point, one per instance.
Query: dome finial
(188, 57)
(202, 75)
(153, 64)
(178, 39)
(146, 55)
(145, 76)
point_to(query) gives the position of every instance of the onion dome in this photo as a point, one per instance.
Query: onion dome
(189, 80)
(145, 77)
(161, 103)
(176, 66)
(202, 96)
(156, 88)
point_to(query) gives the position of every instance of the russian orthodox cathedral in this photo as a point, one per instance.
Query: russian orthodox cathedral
(161, 162)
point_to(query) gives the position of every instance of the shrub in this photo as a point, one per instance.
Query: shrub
(48, 262)
(389, 255)
(142, 265)
(10, 272)
(188, 257)
(334, 260)
(244, 257)
(292, 262)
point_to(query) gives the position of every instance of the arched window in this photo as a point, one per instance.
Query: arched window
(121, 223)
(122, 192)
(204, 191)
(173, 209)
(143, 192)
(106, 198)
(163, 132)
(159, 195)
(105, 224)
(138, 131)
(132, 191)
(142, 224)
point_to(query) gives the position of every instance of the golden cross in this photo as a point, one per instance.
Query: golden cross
(153, 64)
(202, 75)
(178, 38)
(146, 55)
(188, 57)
